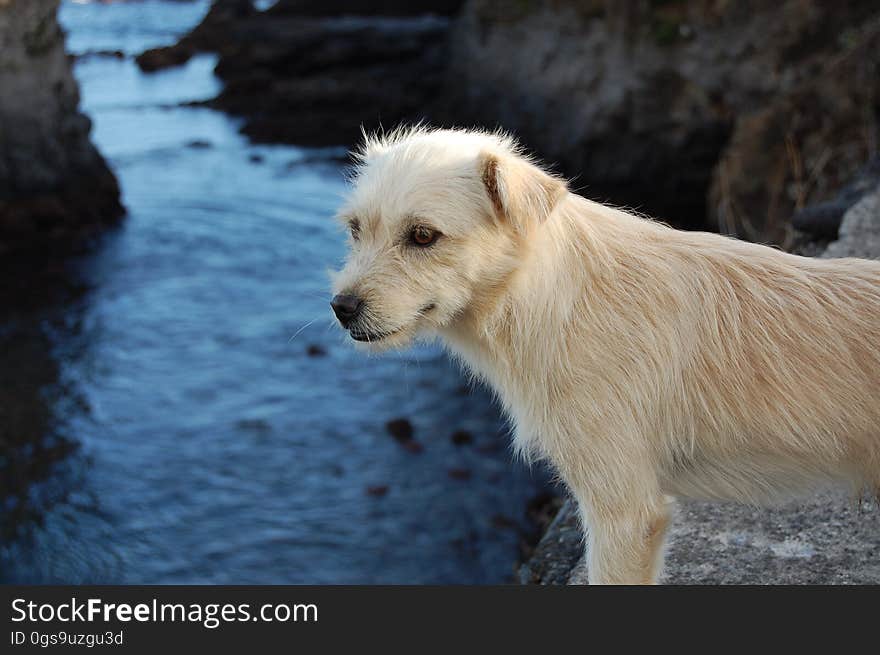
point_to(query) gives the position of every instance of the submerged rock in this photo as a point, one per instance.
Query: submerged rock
(462, 438)
(403, 433)
(54, 185)
(401, 429)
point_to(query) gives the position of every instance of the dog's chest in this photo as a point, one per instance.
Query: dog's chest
(544, 403)
(537, 417)
(519, 399)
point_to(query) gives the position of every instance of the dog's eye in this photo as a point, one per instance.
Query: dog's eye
(355, 229)
(422, 236)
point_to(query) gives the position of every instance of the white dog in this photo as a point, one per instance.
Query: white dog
(644, 362)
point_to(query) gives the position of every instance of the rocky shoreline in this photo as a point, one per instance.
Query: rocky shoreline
(314, 74)
(706, 116)
(725, 117)
(56, 190)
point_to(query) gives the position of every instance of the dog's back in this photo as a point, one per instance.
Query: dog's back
(774, 364)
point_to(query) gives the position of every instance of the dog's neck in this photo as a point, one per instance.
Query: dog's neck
(522, 347)
(506, 339)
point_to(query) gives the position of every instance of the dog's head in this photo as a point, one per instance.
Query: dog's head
(437, 220)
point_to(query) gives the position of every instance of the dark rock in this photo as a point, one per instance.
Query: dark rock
(55, 188)
(822, 220)
(543, 508)
(207, 36)
(157, 59)
(558, 552)
(256, 159)
(296, 71)
(462, 437)
(32, 446)
(314, 350)
(199, 144)
(378, 490)
(312, 73)
(401, 429)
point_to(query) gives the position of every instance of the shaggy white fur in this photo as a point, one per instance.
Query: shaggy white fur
(644, 362)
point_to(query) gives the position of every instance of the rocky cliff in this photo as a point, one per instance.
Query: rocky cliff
(54, 185)
(722, 114)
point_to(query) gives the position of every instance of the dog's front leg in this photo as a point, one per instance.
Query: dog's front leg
(625, 541)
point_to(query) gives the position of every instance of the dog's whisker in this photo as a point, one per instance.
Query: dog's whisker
(298, 332)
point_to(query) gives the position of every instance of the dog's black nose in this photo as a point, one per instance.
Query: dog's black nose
(346, 308)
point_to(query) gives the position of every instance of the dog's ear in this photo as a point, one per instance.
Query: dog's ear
(520, 192)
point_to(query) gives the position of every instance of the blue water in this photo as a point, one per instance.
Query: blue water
(211, 447)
